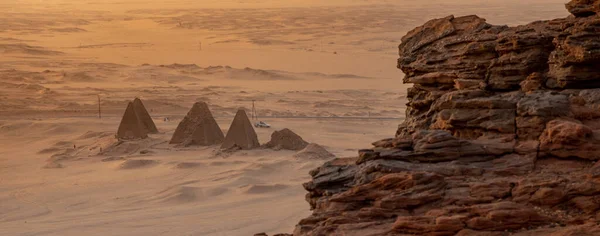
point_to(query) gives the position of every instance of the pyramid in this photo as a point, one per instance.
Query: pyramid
(286, 139)
(241, 134)
(198, 128)
(144, 116)
(131, 126)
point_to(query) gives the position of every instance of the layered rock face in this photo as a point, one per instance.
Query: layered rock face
(502, 135)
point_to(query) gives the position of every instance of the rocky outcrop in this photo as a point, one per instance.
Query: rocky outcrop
(501, 137)
(583, 8)
(264, 234)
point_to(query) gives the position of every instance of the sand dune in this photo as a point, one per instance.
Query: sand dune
(254, 74)
(188, 165)
(81, 77)
(154, 81)
(109, 159)
(262, 188)
(68, 30)
(137, 164)
(27, 49)
(156, 185)
(116, 45)
(182, 195)
(314, 151)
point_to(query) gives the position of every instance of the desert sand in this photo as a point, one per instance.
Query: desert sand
(324, 69)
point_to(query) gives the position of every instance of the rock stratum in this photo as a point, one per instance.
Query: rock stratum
(501, 137)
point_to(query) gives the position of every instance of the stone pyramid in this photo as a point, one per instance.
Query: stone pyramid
(286, 139)
(198, 128)
(131, 126)
(144, 116)
(241, 133)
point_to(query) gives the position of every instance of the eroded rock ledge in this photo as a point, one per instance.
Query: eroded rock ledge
(502, 135)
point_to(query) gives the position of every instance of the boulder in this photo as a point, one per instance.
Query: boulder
(565, 139)
(584, 8)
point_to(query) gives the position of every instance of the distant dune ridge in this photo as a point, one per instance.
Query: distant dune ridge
(241, 133)
(191, 84)
(198, 127)
(27, 49)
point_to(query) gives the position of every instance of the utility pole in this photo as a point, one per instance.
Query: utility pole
(254, 116)
(321, 46)
(99, 109)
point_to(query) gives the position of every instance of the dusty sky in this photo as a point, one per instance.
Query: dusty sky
(335, 36)
(119, 5)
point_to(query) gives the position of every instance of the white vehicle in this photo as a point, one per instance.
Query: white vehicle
(262, 124)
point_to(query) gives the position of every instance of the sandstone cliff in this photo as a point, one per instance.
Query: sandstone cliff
(502, 136)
